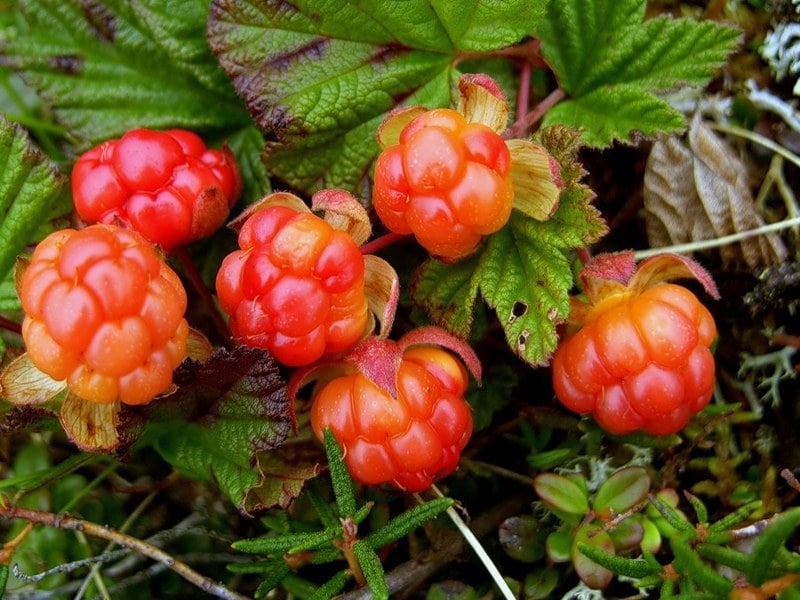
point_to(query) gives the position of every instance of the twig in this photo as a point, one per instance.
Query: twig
(94, 572)
(523, 97)
(720, 241)
(520, 127)
(758, 139)
(379, 243)
(10, 325)
(106, 533)
(789, 478)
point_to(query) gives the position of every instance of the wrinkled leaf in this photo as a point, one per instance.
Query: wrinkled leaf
(107, 66)
(698, 190)
(319, 77)
(524, 270)
(224, 413)
(283, 481)
(29, 187)
(611, 62)
(89, 425)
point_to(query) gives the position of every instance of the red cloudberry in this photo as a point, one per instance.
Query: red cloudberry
(295, 286)
(642, 358)
(104, 313)
(409, 440)
(166, 185)
(447, 182)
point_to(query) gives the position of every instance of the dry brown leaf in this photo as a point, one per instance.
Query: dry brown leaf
(91, 426)
(699, 192)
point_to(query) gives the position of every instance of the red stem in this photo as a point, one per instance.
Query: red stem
(379, 243)
(524, 95)
(11, 326)
(200, 286)
(521, 126)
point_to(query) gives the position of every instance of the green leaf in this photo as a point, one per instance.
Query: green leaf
(223, 414)
(621, 112)
(593, 574)
(105, 67)
(619, 565)
(280, 544)
(495, 393)
(404, 523)
(623, 490)
(320, 76)
(371, 565)
(29, 186)
(340, 477)
(689, 565)
(769, 542)
(524, 270)
(606, 56)
(561, 494)
(333, 587)
(247, 146)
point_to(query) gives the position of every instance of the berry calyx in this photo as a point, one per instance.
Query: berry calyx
(164, 184)
(296, 286)
(446, 181)
(104, 313)
(641, 358)
(399, 411)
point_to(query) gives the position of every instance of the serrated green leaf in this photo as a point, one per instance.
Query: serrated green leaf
(320, 76)
(611, 62)
(224, 413)
(9, 301)
(104, 68)
(620, 112)
(447, 292)
(29, 186)
(524, 270)
(247, 145)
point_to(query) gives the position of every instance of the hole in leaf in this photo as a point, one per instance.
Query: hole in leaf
(522, 340)
(518, 310)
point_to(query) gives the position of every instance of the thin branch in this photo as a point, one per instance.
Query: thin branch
(106, 533)
(379, 243)
(10, 325)
(519, 128)
(720, 241)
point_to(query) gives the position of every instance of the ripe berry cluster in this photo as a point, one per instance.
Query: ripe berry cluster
(409, 441)
(295, 286)
(104, 312)
(166, 185)
(640, 363)
(447, 182)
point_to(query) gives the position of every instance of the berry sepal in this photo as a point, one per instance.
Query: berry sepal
(614, 277)
(91, 426)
